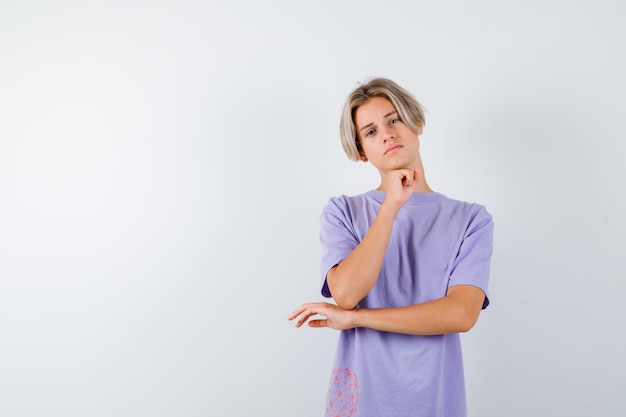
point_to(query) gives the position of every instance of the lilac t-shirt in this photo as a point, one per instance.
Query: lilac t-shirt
(436, 243)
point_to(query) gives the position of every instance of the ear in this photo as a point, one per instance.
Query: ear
(420, 129)
(363, 157)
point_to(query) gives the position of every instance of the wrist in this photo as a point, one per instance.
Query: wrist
(355, 317)
(389, 208)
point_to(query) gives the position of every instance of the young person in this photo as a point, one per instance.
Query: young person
(407, 268)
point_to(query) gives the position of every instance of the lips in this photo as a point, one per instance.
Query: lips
(392, 149)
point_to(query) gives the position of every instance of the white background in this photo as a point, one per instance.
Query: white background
(163, 165)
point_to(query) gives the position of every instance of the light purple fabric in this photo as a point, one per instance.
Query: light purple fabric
(436, 243)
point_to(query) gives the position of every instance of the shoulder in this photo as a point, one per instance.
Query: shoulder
(471, 209)
(349, 203)
(469, 216)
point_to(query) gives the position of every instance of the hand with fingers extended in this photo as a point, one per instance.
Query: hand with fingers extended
(336, 317)
(398, 185)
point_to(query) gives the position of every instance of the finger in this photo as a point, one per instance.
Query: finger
(299, 310)
(304, 317)
(407, 179)
(314, 310)
(300, 317)
(410, 178)
(300, 322)
(318, 323)
(404, 173)
(296, 312)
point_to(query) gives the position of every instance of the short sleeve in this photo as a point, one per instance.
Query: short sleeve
(337, 237)
(473, 261)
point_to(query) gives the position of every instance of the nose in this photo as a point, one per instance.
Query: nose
(387, 134)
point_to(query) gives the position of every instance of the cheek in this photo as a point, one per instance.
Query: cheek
(368, 150)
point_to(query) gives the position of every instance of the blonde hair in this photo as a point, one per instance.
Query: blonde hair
(408, 108)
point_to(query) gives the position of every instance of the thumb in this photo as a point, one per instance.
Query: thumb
(318, 323)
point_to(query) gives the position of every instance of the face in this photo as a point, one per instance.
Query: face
(386, 141)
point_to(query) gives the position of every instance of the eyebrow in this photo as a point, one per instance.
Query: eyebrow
(385, 116)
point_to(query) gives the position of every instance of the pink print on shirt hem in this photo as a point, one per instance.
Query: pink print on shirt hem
(343, 394)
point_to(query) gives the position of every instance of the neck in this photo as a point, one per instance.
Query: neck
(422, 187)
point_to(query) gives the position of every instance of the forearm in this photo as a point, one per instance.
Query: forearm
(455, 313)
(355, 276)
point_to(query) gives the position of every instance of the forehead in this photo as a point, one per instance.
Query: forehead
(372, 110)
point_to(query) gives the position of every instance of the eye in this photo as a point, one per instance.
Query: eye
(369, 133)
(394, 121)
